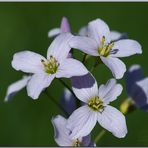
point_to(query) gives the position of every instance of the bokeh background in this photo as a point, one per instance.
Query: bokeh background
(24, 26)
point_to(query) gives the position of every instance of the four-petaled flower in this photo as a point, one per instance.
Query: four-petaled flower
(62, 137)
(46, 69)
(98, 43)
(82, 121)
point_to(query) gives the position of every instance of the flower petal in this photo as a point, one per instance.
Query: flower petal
(116, 66)
(54, 32)
(37, 83)
(65, 27)
(60, 48)
(27, 61)
(15, 87)
(83, 31)
(140, 94)
(68, 101)
(71, 67)
(97, 29)
(134, 73)
(126, 48)
(84, 87)
(84, 44)
(115, 35)
(114, 121)
(81, 122)
(61, 132)
(110, 91)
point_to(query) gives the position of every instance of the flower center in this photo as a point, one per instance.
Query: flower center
(95, 103)
(50, 65)
(77, 143)
(104, 49)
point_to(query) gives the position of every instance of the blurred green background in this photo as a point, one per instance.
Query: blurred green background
(26, 122)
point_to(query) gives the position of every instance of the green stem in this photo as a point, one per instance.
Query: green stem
(63, 83)
(97, 62)
(100, 135)
(55, 102)
(84, 58)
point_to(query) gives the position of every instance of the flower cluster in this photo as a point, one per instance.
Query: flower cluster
(84, 103)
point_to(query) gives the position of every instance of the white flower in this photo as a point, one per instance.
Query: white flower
(137, 86)
(83, 120)
(65, 27)
(16, 87)
(46, 69)
(98, 43)
(62, 137)
(114, 35)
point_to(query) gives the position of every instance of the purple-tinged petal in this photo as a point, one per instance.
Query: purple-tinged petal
(28, 61)
(97, 29)
(68, 101)
(84, 87)
(38, 83)
(110, 91)
(84, 44)
(54, 32)
(114, 121)
(83, 31)
(71, 67)
(65, 27)
(115, 36)
(116, 66)
(139, 94)
(60, 48)
(16, 87)
(126, 47)
(134, 73)
(61, 133)
(81, 122)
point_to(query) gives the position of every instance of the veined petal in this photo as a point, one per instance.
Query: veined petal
(97, 29)
(126, 47)
(60, 48)
(110, 91)
(65, 27)
(81, 122)
(38, 83)
(134, 73)
(114, 121)
(116, 66)
(84, 87)
(71, 67)
(54, 32)
(15, 87)
(61, 132)
(28, 61)
(84, 44)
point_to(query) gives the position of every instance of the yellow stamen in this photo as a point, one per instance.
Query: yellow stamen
(104, 50)
(95, 103)
(50, 65)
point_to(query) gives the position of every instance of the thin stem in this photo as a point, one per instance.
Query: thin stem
(100, 135)
(62, 82)
(84, 58)
(55, 102)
